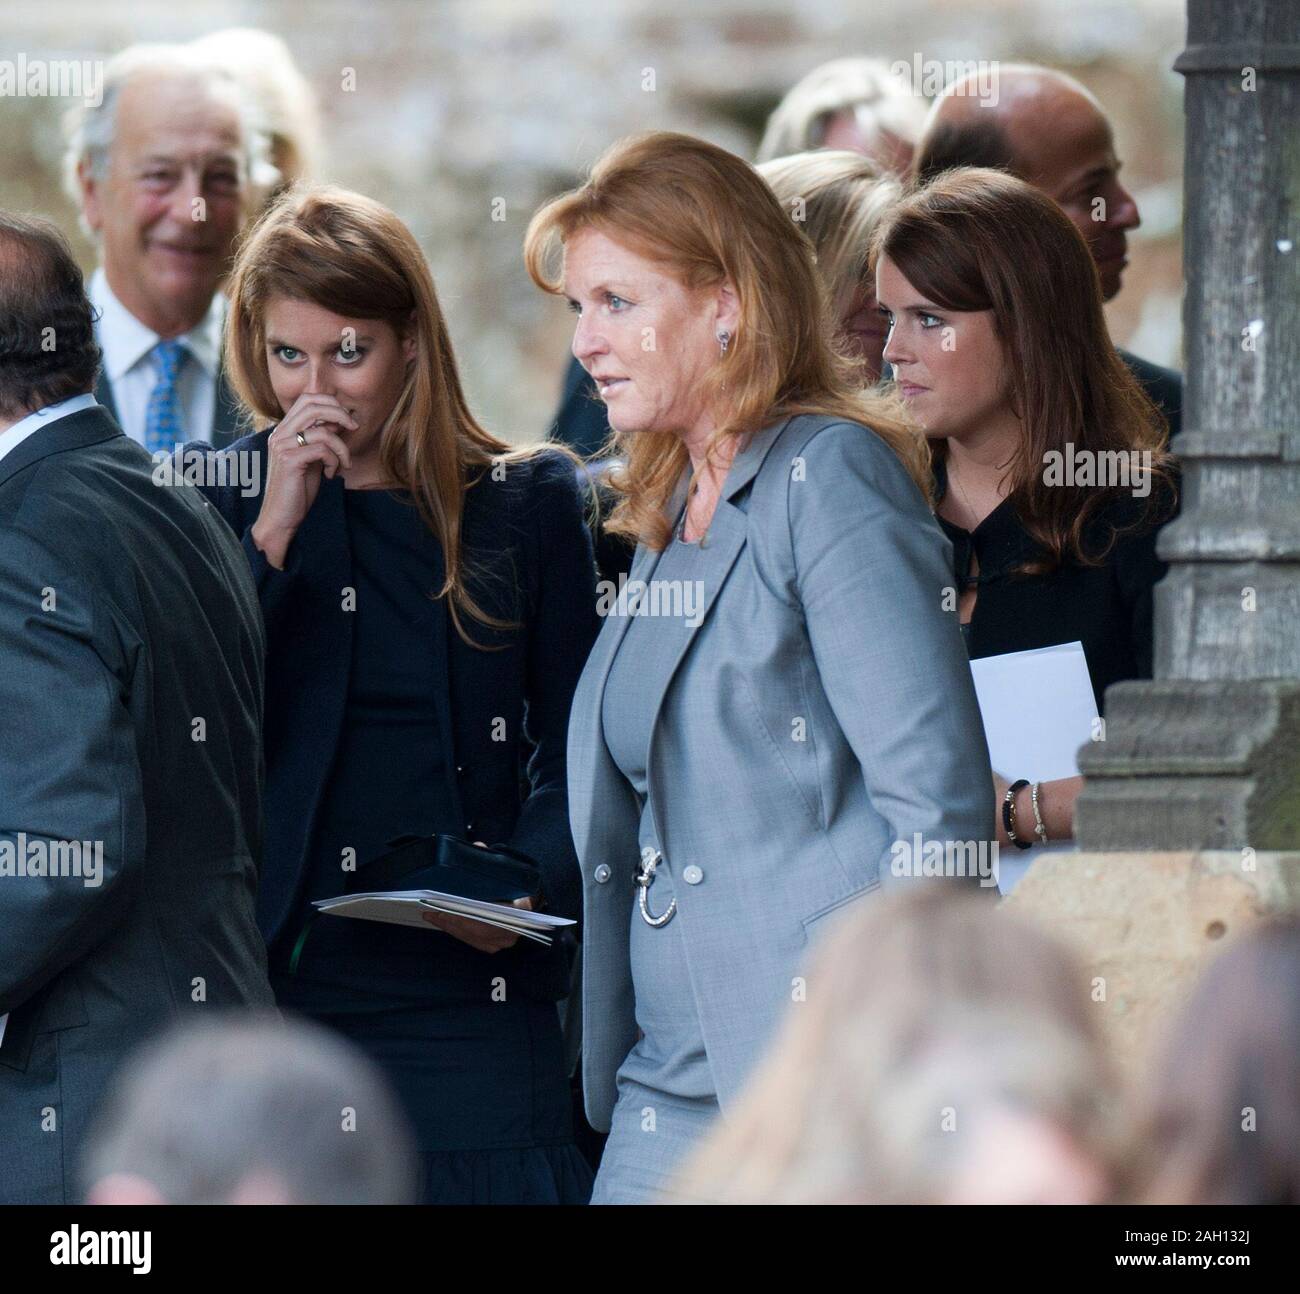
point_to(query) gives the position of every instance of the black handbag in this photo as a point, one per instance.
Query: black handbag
(451, 865)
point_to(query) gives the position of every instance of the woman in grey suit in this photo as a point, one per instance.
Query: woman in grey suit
(778, 716)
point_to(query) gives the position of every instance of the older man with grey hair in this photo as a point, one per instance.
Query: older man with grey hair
(165, 170)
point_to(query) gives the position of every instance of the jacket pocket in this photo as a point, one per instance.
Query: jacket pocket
(60, 1005)
(827, 909)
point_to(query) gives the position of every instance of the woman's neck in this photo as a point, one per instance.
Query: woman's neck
(978, 469)
(696, 439)
(365, 474)
(709, 468)
(709, 471)
(989, 449)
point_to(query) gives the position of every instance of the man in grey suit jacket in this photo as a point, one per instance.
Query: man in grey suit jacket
(131, 656)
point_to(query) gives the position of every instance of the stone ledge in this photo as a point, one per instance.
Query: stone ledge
(1148, 923)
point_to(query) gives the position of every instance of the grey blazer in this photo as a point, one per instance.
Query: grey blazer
(821, 710)
(131, 659)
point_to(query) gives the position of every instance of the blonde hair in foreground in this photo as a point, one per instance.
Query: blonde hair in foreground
(915, 1002)
(353, 257)
(707, 217)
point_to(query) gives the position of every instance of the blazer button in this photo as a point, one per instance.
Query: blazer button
(692, 875)
(602, 873)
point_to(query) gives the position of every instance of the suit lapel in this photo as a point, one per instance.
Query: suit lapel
(226, 410)
(76, 431)
(605, 648)
(104, 394)
(226, 413)
(726, 537)
(596, 787)
(594, 777)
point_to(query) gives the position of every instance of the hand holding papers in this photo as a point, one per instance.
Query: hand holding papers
(408, 908)
(1038, 708)
(473, 889)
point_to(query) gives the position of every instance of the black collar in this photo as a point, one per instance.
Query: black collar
(1000, 542)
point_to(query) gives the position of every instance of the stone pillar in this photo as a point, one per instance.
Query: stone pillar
(1192, 798)
(1208, 755)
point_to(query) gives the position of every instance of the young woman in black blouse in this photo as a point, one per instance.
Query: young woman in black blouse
(1050, 462)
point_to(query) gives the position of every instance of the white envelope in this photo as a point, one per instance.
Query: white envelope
(1038, 710)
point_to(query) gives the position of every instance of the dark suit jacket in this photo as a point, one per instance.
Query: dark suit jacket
(581, 421)
(1163, 385)
(131, 700)
(226, 415)
(527, 537)
(582, 425)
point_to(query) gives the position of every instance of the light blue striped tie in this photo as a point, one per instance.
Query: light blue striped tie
(164, 421)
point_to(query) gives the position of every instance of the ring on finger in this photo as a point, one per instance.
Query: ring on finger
(302, 440)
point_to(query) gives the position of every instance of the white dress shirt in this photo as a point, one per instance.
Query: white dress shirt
(129, 365)
(11, 439)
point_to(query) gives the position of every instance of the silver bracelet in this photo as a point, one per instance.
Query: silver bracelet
(1039, 829)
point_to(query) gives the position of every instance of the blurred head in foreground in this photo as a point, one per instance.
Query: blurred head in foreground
(1222, 1111)
(250, 1110)
(943, 1054)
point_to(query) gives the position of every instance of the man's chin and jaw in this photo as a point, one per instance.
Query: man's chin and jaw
(1111, 274)
(179, 275)
(1109, 249)
(166, 276)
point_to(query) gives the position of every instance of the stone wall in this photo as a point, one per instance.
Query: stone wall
(465, 101)
(1145, 925)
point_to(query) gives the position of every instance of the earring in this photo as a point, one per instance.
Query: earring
(724, 340)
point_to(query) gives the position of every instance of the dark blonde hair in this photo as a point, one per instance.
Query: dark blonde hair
(348, 254)
(976, 239)
(839, 198)
(708, 217)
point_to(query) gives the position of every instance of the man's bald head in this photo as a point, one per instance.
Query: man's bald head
(1052, 132)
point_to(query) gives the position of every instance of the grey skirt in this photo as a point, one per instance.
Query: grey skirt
(651, 1136)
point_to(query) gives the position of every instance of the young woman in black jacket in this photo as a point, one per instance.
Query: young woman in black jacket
(429, 602)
